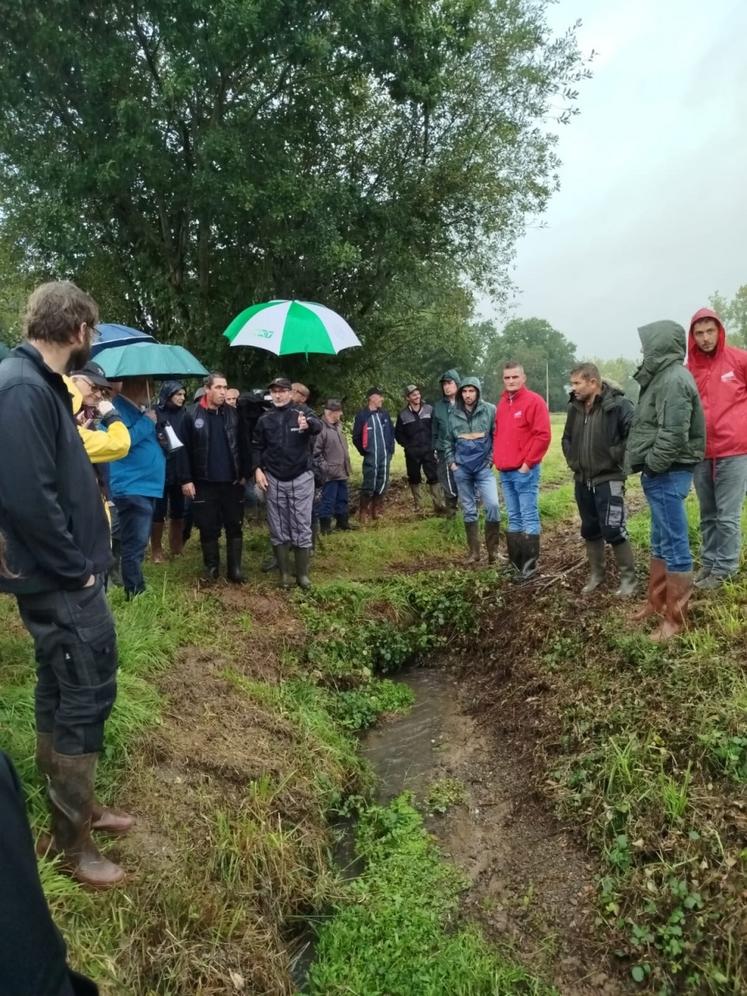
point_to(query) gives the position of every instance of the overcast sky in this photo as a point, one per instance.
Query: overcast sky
(651, 217)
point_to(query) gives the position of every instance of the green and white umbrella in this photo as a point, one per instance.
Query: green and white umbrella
(284, 327)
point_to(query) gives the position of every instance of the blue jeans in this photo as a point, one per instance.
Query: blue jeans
(470, 484)
(135, 520)
(334, 499)
(720, 486)
(521, 494)
(665, 494)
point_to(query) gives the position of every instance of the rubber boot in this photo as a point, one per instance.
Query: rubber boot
(282, 554)
(115, 572)
(234, 546)
(415, 492)
(515, 551)
(437, 496)
(596, 557)
(315, 534)
(492, 540)
(626, 566)
(211, 559)
(344, 523)
(364, 509)
(472, 529)
(270, 562)
(377, 507)
(679, 590)
(303, 556)
(656, 596)
(176, 536)
(156, 539)
(451, 507)
(531, 545)
(325, 525)
(71, 804)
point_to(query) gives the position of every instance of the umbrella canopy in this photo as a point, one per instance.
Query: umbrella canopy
(110, 335)
(149, 359)
(284, 327)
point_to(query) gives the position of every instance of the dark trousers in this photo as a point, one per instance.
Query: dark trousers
(602, 511)
(32, 952)
(76, 664)
(217, 506)
(415, 462)
(135, 522)
(334, 499)
(170, 505)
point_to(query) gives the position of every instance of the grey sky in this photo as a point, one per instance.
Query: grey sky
(651, 217)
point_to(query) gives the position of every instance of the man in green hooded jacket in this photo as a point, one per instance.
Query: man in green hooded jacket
(441, 412)
(666, 441)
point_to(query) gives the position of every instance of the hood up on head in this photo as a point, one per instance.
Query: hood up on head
(168, 389)
(663, 343)
(450, 375)
(695, 355)
(470, 382)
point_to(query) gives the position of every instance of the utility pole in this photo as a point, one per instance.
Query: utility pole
(547, 384)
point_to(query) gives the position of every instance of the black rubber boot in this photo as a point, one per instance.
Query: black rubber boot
(282, 554)
(303, 556)
(472, 529)
(325, 526)
(515, 551)
(71, 805)
(344, 523)
(531, 546)
(492, 539)
(234, 547)
(211, 559)
(437, 497)
(270, 563)
(596, 556)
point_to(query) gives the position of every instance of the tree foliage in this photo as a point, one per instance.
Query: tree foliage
(733, 313)
(619, 371)
(546, 355)
(182, 159)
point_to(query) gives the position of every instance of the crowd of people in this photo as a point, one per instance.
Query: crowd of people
(92, 471)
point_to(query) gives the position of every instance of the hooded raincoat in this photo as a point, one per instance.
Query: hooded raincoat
(668, 429)
(721, 378)
(469, 442)
(441, 411)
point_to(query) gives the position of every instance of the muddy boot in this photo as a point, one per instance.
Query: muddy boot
(176, 536)
(472, 530)
(270, 562)
(364, 509)
(303, 556)
(626, 566)
(437, 497)
(679, 590)
(657, 592)
(156, 538)
(377, 507)
(282, 554)
(344, 523)
(71, 804)
(492, 540)
(211, 559)
(415, 492)
(325, 526)
(451, 507)
(596, 557)
(234, 546)
(530, 543)
(515, 551)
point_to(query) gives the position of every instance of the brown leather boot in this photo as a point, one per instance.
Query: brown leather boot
(679, 590)
(492, 540)
(176, 536)
(364, 509)
(71, 803)
(104, 818)
(156, 538)
(657, 592)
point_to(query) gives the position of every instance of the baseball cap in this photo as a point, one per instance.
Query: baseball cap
(93, 373)
(280, 382)
(410, 388)
(332, 405)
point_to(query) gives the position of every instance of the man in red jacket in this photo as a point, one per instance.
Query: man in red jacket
(520, 441)
(720, 372)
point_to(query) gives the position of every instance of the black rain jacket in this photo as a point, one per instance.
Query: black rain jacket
(594, 441)
(414, 430)
(193, 461)
(279, 447)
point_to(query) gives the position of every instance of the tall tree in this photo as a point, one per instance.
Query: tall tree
(733, 314)
(546, 355)
(184, 158)
(620, 371)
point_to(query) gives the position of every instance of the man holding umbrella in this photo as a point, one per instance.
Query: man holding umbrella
(211, 470)
(283, 470)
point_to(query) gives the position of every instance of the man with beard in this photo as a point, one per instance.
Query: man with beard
(441, 414)
(284, 471)
(57, 555)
